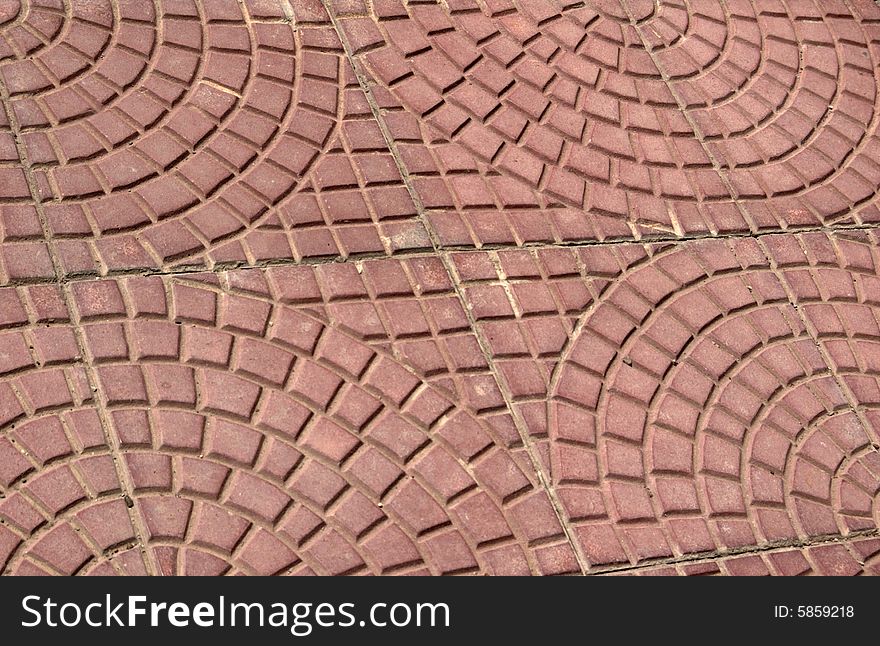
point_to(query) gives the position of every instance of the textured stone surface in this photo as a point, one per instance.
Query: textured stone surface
(201, 133)
(526, 122)
(439, 288)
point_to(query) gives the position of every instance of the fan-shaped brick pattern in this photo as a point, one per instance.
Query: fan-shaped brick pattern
(543, 121)
(235, 433)
(704, 397)
(196, 133)
(785, 102)
(845, 558)
(455, 287)
(722, 396)
(533, 122)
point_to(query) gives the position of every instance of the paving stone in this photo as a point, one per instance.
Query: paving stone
(221, 451)
(832, 559)
(543, 123)
(154, 140)
(439, 288)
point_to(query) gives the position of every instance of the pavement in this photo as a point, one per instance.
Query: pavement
(457, 287)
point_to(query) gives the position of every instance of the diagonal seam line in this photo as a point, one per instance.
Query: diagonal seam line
(852, 400)
(544, 479)
(91, 374)
(438, 248)
(698, 135)
(224, 266)
(765, 548)
(846, 391)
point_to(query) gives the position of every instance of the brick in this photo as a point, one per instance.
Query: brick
(331, 409)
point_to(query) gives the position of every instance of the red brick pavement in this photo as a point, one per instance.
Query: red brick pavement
(459, 287)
